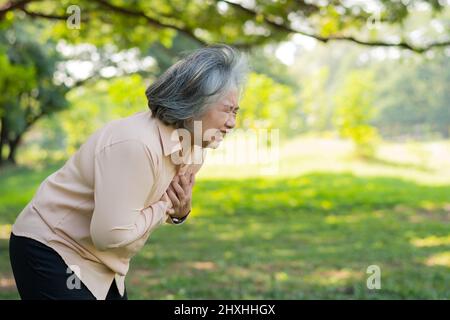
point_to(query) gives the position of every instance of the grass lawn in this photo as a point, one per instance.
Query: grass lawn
(308, 232)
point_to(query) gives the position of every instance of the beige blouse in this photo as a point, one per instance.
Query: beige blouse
(98, 210)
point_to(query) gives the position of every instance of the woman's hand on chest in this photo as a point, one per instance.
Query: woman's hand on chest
(179, 193)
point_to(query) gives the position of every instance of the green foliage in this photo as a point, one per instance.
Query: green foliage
(127, 95)
(264, 62)
(266, 104)
(315, 100)
(14, 79)
(82, 118)
(410, 93)
(27, 82)
(415, 98)
(94, 105)
(355, 111)
(143, 23)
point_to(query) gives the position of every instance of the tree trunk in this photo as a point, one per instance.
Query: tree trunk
(13, 144)
(3, 135)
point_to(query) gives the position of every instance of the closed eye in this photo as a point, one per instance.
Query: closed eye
(231, 109)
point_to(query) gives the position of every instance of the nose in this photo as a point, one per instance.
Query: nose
(231, 122)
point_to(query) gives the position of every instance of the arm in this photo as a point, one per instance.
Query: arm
(124, 178)
(173, 196)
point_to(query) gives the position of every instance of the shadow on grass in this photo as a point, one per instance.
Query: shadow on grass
(399, 165)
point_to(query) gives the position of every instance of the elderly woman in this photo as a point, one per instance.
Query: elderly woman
(75, 238)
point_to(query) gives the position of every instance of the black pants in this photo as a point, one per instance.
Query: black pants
(41, 273)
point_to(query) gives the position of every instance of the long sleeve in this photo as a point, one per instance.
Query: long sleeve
(124, 178)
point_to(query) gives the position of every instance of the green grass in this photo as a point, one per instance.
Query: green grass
(306, 236)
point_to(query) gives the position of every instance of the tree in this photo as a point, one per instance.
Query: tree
(268, 104)
(355, 111)
(243, 24)
(415, 97)
(163, 28)
(316, 102)
(28, 91)
(35, 80)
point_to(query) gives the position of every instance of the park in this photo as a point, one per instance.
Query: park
(335, 182)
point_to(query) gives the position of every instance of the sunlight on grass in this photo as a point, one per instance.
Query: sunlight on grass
(439, 259)
(7, 283)
(203, 265)
(333, 276)
(281, 276)
(420, 162)
(334, 219)
(431, 241)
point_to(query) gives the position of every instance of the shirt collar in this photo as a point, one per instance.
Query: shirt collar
(169, 138)
(171, 143)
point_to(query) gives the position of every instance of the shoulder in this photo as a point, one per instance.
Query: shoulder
(137, 133)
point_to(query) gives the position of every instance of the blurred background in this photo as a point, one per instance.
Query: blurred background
(358, 92)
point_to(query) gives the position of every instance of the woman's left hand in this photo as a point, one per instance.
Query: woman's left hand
(180, 193)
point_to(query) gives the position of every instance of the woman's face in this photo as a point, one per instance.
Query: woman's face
(219, 119)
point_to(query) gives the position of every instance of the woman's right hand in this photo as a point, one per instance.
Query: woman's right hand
(179, 195)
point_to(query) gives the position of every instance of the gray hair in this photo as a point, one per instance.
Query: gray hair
(186, 90)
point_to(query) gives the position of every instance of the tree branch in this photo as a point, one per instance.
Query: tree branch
(129, 12)
(43, 15)
(21, 5)
(253, 13)
(288, 29)
(12, 5)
